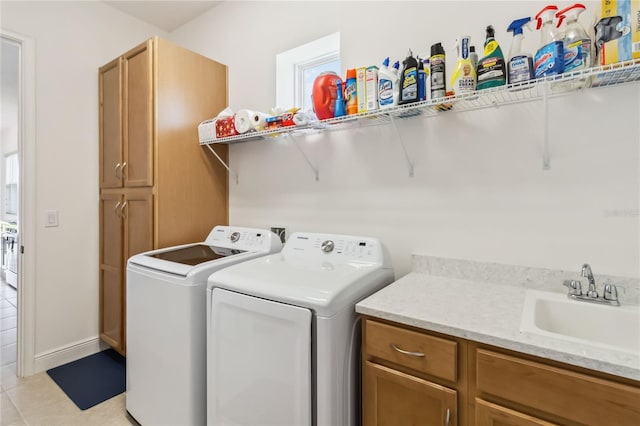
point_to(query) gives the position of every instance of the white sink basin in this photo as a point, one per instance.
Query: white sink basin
(555, 315)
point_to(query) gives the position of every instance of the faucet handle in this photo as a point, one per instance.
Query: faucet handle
(610, 292)
(574, 286)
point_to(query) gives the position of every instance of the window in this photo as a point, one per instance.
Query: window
(296, 70)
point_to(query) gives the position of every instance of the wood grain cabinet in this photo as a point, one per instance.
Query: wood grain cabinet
(415, 377)
(409, 378)
(158, 186)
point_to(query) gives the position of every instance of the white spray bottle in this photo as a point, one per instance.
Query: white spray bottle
(519, 63)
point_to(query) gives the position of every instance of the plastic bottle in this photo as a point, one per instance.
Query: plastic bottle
(438, 71)
(463, 79)
(339, 110)
(519, 64)
(409, 80)
(473, 56)
(421, 80)
(387, 82)
(577, 44)
(350, 93)
(549, 59)
(427, 78)
(491, 70)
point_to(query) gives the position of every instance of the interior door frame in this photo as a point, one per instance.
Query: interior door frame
(25, 348)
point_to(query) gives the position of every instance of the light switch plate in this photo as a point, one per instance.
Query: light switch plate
(51, 218)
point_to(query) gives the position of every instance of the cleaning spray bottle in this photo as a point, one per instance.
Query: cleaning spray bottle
(463, 79)
(549, 59)
(491, 69)
(409, 80)
(388, 82)
(519, 64)
(577, 44)
(350, 94)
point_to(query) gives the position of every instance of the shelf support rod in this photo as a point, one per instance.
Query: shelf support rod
(223, 163)
(315, 169)
(404, 149)
(546, 156)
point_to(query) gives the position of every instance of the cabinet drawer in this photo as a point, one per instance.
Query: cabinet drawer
(429, 354)
(564, 393)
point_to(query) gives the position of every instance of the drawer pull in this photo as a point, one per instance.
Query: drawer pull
(416, 354)
(447, 417)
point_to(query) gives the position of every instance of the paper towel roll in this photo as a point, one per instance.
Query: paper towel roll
(259, 120)
(244, 120)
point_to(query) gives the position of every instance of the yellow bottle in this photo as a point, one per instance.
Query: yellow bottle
(463, 79)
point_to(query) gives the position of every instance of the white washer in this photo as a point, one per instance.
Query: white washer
(166, 331)
(282, 335)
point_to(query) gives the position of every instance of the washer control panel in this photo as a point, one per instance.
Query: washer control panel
(242, 238)
(335, 247)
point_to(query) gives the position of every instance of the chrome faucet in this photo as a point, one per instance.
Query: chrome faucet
(586, 272)
(610, 296)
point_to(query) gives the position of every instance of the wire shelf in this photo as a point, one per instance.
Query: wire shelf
(547, 87)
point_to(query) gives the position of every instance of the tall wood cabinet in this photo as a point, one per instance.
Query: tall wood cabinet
(158, 186)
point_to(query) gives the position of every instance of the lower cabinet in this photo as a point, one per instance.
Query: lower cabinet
(395, 398)
(416, 377)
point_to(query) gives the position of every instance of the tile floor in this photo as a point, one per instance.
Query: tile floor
(37, 400)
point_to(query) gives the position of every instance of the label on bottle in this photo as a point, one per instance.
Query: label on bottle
(409, 85)
(350, 96)
(491, 72)
(438, 89)
(520, 69)
(573, 56)
(549, 60)
(385, 92)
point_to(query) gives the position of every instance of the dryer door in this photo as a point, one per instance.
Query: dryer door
(258, 361)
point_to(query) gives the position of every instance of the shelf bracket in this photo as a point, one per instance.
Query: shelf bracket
(546, 156)
(297, 145)
(223, 163)
(404, 149)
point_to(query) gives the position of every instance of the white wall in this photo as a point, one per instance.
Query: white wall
(479, 191)
(72, 40)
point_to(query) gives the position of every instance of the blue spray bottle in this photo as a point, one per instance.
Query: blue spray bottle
(519, 64)
(339, 110)
(549, 59)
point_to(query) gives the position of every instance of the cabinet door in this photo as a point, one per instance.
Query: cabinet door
(111, 270)
(488, 414)
(138, 123)
(392, 398)
(110, 92)
(138, 236)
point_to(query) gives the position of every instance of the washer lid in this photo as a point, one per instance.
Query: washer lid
(321, 285)
(195, 254)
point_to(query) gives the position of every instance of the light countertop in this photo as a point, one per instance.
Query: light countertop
(487, 312)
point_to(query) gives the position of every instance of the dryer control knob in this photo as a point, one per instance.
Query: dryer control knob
(235, 236)
(327, 246)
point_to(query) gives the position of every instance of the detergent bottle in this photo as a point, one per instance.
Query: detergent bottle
(463, 79)
(409, 80)
(549, 59)
(388, 82)
(577, 44)
(491, 69)
(519, 64)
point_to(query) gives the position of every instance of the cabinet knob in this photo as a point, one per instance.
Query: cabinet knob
(115, 209)
(123, 166)
(118, 171)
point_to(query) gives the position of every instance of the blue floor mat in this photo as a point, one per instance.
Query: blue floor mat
(92, 379)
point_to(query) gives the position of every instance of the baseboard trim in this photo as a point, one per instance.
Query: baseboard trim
(56, 357)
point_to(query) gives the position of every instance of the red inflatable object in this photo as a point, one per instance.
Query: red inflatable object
(323, 96)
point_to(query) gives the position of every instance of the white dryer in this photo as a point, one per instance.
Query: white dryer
(282, 335)
(166, 328)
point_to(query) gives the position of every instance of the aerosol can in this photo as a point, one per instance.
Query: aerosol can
(549, 59)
